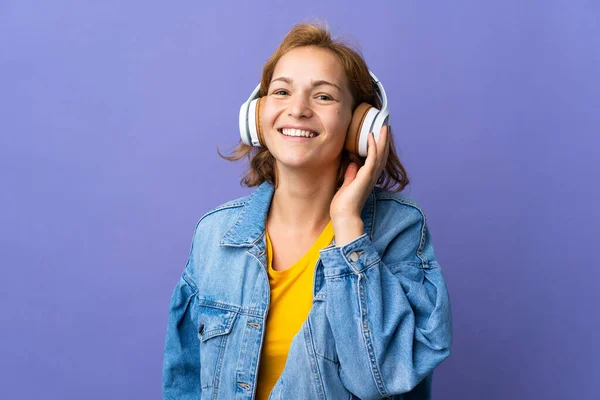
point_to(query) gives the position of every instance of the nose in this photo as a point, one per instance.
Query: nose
(299, 107)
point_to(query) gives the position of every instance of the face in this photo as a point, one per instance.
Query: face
(307, 110)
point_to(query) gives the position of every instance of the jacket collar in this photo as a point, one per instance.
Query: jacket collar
(250, 226)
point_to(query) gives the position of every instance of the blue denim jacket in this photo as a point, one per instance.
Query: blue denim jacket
(380, 321)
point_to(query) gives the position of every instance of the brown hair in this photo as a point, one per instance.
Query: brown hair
(261, 161)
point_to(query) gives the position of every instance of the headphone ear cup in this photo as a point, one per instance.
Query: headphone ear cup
(243, 123)
(254, 130)
(259, 106)
(358, 118)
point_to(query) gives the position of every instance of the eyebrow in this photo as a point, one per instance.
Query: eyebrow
(315, 83)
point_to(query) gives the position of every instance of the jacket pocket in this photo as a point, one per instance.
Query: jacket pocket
(215, 325)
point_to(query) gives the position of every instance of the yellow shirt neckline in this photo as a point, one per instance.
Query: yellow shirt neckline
(324, 239)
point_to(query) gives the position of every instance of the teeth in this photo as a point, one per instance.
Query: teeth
(298, 132)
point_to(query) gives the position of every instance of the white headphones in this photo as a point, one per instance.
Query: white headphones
(366, 118)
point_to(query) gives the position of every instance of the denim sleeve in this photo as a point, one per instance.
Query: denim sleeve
(181, 362)
(391, 321)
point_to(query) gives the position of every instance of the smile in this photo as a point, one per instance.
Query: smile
(298, 133)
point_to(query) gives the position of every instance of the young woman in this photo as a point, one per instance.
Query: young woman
(323, 283)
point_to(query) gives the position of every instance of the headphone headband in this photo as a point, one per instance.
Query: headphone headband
(379, 89)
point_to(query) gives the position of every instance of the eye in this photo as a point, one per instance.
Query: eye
(324, 97)
(280, 92)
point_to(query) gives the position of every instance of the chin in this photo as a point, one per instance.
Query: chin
(294, 163)
(307, 164)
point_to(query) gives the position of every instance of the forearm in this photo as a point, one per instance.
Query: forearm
(391, 329)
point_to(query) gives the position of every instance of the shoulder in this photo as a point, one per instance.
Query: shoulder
(224, 210)
(398, 205)
(215, 223)
(400, 226)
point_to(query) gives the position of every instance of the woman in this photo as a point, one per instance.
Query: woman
(319, 285)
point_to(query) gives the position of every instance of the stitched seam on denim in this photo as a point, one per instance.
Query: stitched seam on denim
(259, 262)
(371, 265)
(428, 265)
(398, 198)
(185, 274)
(354, 272)
(253, 312)
(310, 349)
(339, 248)
(232, 308)
(362, 298)
(422, 242)
(326, 358)
(371, 233)
(223, 207)
(412, 264)
(216, 304)
(258, 239)
(423, 225)
(240, 374)
(220, 331)
(233, 229)
(263, 315)
(216, 378)
(341, 277)
(190, 282)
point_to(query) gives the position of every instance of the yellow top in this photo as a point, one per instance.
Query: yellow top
(291, 300)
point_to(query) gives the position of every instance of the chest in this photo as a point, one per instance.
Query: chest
(288, 245)
(286, 250)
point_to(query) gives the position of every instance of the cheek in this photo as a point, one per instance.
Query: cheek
(343, 118)
(266, 115)
(269, 114)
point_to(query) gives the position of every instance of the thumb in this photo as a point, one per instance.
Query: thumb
(350, 174)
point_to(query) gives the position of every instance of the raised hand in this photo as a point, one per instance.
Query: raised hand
(349, 200)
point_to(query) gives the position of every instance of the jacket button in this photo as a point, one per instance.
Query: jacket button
(354, 256)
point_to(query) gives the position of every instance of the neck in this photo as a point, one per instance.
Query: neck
(302, 199)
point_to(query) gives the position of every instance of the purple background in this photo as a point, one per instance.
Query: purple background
(110, 116)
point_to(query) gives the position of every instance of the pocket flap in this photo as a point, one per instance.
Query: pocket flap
(215, 321)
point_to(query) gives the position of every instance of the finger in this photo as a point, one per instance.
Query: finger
(350, 174)
(371, 161)
(383, 146)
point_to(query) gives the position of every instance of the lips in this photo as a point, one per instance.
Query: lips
(298, 132)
